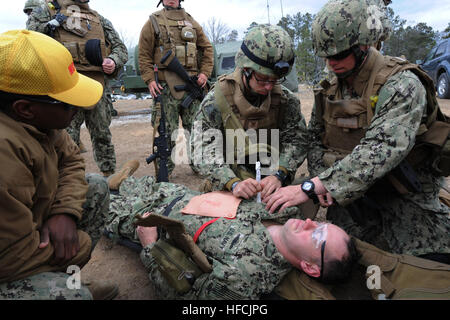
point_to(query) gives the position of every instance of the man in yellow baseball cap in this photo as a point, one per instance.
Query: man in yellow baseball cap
(51, 213)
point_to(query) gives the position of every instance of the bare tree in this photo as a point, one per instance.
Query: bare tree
(128, 40)
(233, 36)
(216, 30)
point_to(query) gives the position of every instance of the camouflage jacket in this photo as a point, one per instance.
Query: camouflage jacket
(292, 140)
(400, 110)
(40, 16)
(245, 261)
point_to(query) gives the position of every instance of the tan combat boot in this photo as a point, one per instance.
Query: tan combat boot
(102, 290)
(127, 170)
(82, 147)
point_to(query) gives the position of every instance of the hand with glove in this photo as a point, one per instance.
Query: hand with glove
(57, 21)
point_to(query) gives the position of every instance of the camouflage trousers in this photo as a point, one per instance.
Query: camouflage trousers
(54, 285)
(97, 122)
(394, 224)
(137, 194)
(173, 111)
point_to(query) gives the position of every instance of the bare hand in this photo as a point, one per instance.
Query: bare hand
(202, 80)
(247, 189)
(269, 185)
(61, 230)
(286, 197)
(108, 66)
(155, 89)
(147, 235)
(325, 200)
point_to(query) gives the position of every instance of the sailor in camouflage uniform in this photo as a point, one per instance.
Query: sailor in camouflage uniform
(172, 28)
(30, 5)
(78, 29)
(254, 97)
(247, 260)
(364, 124)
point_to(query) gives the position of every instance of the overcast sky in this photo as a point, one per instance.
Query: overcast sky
(128, 16)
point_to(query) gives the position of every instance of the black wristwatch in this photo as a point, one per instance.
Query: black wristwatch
(280, 175)
(308, 188)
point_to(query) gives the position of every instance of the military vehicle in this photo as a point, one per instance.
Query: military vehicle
(131, 77)
(223, 63)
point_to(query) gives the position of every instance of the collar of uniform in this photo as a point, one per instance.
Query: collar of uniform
(362, 78)
(175, 14)
(245, 107)
(67, 3)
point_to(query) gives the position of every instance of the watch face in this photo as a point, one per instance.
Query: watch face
(307, 186)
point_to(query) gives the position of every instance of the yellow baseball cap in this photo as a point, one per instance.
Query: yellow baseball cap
(32, 63)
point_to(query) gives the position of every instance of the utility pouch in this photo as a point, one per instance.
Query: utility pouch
(188, 34)
(439, 136)
(180, 53)
(75, 28)
(191, 55)
(175, 266)
(74, 51)
(434, 146)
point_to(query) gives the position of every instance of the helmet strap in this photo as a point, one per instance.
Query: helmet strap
(247, 75)
(360, 56)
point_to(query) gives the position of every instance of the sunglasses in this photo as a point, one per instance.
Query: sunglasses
(319, 237)
(341, 55)
(322, 254)
(43, 99)
(272, 82)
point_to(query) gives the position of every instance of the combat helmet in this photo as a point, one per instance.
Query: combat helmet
(31, 4)
(268, 50)
(343, 24)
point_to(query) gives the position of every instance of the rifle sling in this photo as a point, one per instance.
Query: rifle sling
(168, 210)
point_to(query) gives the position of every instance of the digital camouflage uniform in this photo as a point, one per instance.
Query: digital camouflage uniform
(292, 132)
(414, 223)
(97, 119)
(278, 110)
(161, 33)
(31, 5)
(245, 261)
(52, 285)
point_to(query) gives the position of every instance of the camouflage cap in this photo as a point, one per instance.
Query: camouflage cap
(342, 24)
(30, 4)
(268, 50)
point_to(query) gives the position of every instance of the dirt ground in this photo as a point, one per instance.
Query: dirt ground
(132, 135)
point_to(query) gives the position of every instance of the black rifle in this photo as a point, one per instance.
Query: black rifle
(191, 86)
(161, 142)
(123, 241)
